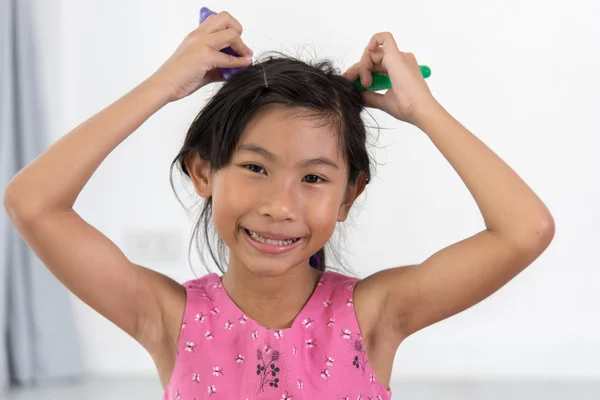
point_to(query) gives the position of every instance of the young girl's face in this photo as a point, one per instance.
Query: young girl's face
(278, 200)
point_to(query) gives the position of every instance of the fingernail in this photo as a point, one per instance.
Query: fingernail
(249, 59)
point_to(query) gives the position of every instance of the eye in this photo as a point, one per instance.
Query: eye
(255, 168)
(313, 179)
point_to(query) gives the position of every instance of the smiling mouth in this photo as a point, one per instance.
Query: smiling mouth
(273, 242)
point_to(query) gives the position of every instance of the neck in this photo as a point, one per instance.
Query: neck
(273, 301)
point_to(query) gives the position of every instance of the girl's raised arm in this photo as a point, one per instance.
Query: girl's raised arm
(519, 227)
(39, 199)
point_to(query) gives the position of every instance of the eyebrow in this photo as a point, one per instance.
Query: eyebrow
(252, 148)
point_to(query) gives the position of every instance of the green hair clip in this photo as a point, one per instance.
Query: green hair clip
(383, 82)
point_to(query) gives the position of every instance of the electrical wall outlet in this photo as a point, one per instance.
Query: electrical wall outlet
(153, 246)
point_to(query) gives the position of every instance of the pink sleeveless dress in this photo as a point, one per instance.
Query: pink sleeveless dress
(223, 354)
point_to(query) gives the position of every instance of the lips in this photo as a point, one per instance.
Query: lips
(270, 242)
(275, 240)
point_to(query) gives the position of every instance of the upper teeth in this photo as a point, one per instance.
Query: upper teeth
(263, 239)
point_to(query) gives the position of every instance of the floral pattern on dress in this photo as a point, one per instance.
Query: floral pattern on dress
(224, 354)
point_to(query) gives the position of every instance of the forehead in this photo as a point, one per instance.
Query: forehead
(292, 134)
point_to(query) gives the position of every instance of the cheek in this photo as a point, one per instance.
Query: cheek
(321, 214)
(230, 200)
(223, 215)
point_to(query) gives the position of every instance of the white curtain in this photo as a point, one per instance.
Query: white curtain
(39, 341)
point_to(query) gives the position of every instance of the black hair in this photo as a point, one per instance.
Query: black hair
(314, 88)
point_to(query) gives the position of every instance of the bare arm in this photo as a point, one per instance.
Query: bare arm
(53, 180)
(519, 228)
(39, 201)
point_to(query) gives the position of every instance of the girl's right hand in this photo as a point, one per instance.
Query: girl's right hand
(196, 61)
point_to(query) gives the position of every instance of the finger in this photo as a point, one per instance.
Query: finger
(223, 60)
(376, 56)
(221, 21)
(364, 69)
(229, 38)
(374, 100)
(352, 72)
(371, 60)
(384, 40)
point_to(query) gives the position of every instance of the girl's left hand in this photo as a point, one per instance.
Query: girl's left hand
(409, 93)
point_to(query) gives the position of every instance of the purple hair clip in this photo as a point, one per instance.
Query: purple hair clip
(226, 72)
(315, 261)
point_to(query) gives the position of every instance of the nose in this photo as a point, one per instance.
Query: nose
(280, 201)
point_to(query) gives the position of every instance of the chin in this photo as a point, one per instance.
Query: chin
(269, 268)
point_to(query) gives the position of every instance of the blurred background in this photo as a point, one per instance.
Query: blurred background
(521, 75)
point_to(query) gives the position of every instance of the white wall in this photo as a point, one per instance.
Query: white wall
(521, 75)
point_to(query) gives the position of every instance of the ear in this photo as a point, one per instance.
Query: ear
(352, 193)
(200, 173)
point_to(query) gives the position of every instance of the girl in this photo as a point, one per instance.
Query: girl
(279, 155)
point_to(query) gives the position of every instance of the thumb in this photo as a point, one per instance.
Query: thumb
(228, 61)
(374, 100)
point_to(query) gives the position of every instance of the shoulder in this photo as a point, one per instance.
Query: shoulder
(337, 279)
(175, 305)
(338, 285)
(204, 284)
